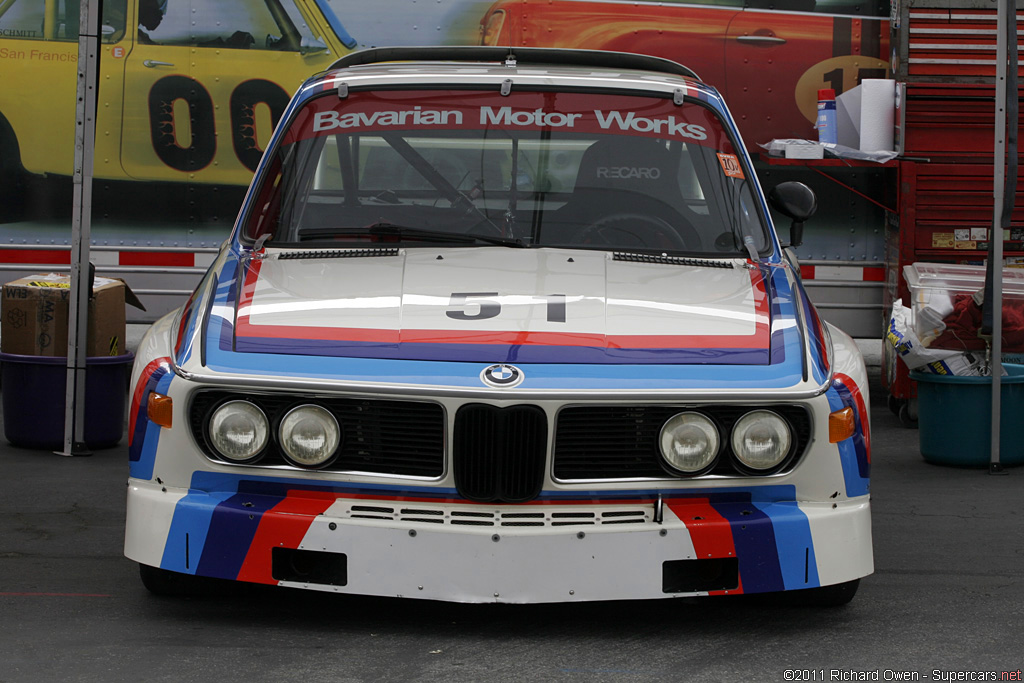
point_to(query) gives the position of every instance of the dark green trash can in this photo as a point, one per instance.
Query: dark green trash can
(954, 418)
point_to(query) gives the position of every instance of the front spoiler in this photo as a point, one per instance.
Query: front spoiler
(314, 542)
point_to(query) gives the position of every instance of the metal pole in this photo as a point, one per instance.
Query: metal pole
(999, 179)
(81, 228)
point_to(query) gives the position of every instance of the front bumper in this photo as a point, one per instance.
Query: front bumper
(608, 549)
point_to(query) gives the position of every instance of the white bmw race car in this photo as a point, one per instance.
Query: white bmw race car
(507, 326)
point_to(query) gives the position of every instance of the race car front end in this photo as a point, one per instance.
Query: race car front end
(636, 481)
(513, 330)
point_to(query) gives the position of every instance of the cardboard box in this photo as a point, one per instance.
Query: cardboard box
(35, 316)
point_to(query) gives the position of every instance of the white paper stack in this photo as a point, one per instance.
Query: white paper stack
(804, 149)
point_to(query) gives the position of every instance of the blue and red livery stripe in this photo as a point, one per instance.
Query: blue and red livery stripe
(144, 435)
(852, 396)
(771, 541)
(284, 525)
(233, 526)
(190, 316)
(855, 451)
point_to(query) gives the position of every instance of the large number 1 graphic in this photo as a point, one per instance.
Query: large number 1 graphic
(834, 78)
(203, 144)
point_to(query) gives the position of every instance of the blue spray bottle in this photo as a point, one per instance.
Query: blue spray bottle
(827, 116)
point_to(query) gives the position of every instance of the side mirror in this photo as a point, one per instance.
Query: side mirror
(797, 202)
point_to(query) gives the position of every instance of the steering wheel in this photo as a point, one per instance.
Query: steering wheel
(486, 227)
(632, 230)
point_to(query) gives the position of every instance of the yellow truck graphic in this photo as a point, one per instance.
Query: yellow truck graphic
(189, 89)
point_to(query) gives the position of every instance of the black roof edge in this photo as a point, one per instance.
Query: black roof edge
(522, 55)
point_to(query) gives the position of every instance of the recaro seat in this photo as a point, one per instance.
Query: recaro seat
(628, 184)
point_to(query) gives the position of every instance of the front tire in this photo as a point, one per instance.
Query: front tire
(835, 595)
(177, 585)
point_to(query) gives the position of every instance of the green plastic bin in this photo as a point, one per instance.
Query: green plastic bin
(955, 418)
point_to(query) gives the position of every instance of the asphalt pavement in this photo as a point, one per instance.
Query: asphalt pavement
(946, 601)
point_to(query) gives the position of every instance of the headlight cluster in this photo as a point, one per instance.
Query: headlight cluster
(239, 431)
(308, 434)
(761, 440)
(691, 442)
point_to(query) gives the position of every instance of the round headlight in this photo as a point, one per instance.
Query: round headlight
(309, 435)
(689, 442)
(238, 430)
(761, 440)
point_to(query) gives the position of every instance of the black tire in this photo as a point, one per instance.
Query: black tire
(835, 595)
(174, 584)
(893, 404)
(905, 416)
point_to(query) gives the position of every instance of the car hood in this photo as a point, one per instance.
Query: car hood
(498, 305)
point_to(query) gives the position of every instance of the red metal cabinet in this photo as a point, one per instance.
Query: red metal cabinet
(944, 53)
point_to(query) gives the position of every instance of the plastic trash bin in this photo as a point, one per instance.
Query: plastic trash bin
(34, 392)
(954, 418)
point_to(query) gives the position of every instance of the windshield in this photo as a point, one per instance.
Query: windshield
(531, 169)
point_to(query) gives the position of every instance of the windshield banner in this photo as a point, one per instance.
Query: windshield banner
(383, 112)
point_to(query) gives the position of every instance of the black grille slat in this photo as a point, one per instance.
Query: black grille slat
(378, 436)
(499, 453)
(475, 459)
(621, 442)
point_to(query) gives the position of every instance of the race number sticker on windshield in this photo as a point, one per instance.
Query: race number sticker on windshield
(730, 165)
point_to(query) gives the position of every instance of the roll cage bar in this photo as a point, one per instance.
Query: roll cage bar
(512, 56)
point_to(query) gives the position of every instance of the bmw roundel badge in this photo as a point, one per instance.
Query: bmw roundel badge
(501, 375)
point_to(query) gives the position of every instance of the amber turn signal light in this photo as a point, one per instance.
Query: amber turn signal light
(159, 409)
(841, 425)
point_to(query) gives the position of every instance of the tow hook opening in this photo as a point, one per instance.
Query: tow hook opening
(309, 566)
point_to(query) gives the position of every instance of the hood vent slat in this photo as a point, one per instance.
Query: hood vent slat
(670, 260)
(338, 253)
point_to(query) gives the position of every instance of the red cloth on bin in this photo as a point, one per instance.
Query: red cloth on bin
(962, 326)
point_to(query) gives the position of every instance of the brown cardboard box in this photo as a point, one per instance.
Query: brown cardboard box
(35, 316)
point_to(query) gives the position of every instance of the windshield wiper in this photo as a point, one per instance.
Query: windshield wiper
(402, 232)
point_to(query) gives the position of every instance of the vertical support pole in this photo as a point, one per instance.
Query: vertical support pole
(1005, 11)
(81, 228)
(50, 21)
